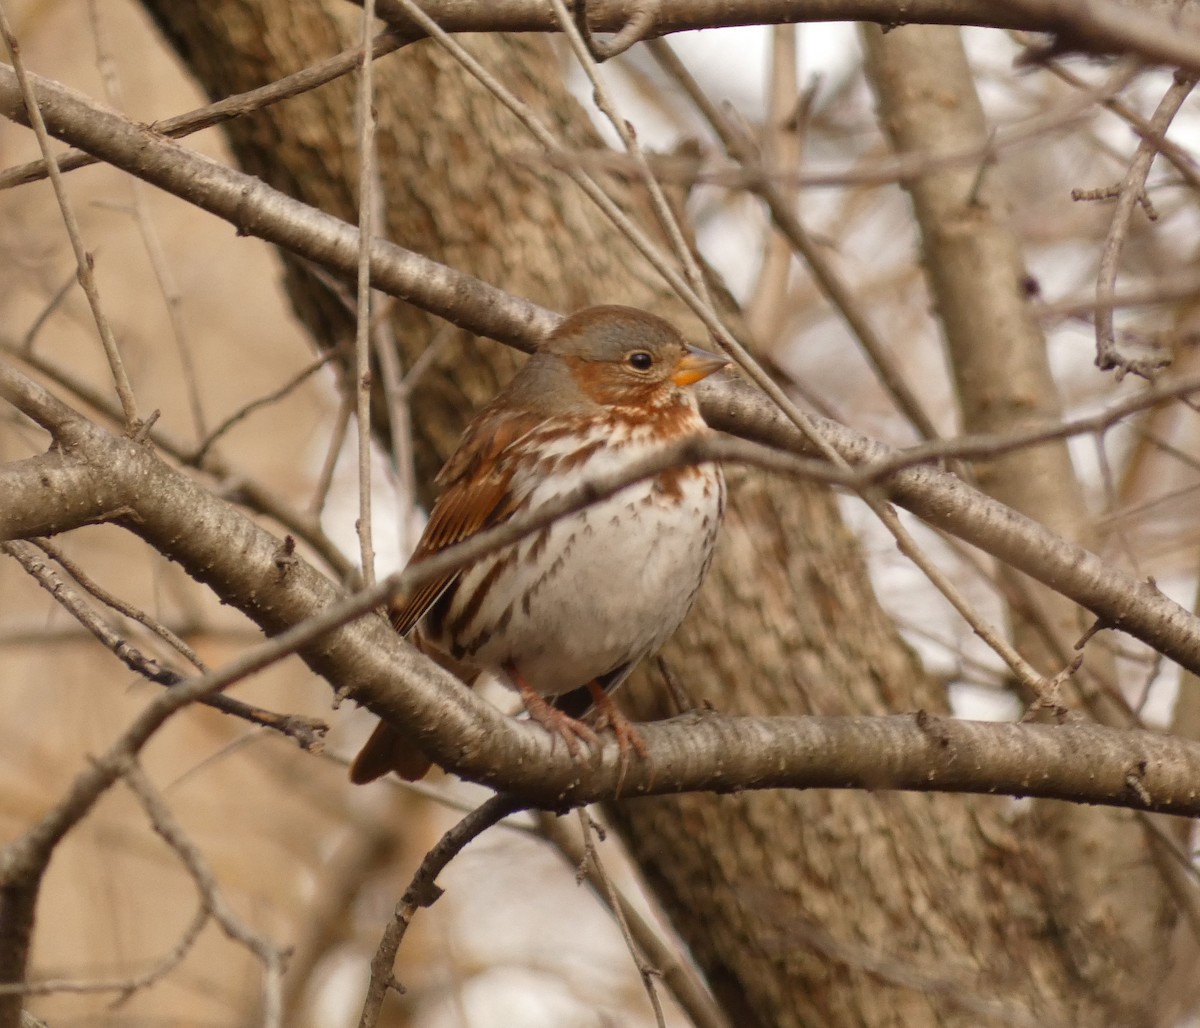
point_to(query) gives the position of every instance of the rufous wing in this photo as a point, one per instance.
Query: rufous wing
(476, 495)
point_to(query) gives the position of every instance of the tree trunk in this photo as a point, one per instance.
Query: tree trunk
(997, 355)
(821, 908)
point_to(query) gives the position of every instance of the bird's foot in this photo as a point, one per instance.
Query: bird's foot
(608, 715)
(558, 724)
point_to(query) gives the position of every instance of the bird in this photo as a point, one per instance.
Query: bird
(576, 604)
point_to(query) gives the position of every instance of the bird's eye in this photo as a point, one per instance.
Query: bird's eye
(640, 360)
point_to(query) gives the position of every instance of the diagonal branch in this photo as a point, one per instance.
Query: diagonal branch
(423, 891)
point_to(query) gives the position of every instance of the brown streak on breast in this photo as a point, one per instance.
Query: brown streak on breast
(669, 484)
(674, 417)
(538, 546)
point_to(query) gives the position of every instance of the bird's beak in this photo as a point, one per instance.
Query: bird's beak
(695, 365)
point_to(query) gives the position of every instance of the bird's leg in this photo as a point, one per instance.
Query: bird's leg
(609, 715)
(553, 720)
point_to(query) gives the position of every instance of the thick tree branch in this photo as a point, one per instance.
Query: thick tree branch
(669, 16)
(1130, 192)
(946, 502)
(1096, 26)
(246, 567)
(1118, 600)
(48, 494)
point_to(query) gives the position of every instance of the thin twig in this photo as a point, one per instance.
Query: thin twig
(230, 107)
(272, 957)
(45, 313)
(591, 861)
(337, 438)
(399, 418)
(1165, 288)
(1108, 354)
(247, 409)
(150, 237)
(1025, 672)
(83, 259)
(1108, 481)
(398, 390)
(26, 555)
(670, 963)
(309, 733)
(118, 604)
(127, 985)
(423, 892)
(1177, 868)
(362, 335)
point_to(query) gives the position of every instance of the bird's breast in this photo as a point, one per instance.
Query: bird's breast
(597, 588)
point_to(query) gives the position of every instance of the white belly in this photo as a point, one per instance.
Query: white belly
(605, 587)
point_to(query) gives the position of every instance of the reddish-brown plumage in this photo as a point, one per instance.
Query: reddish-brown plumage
(584, 599)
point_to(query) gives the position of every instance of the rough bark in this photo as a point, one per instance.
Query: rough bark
(791, 902)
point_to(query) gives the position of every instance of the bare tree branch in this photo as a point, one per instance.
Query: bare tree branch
(668, 959)
(1097, 26)
(83, 259)
(367, 661)
(1109, 355)
(423, 891)
(258, 210)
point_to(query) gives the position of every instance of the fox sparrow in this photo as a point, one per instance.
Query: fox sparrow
(580, 602)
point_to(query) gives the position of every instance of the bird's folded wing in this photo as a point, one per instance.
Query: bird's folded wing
(476, 495)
